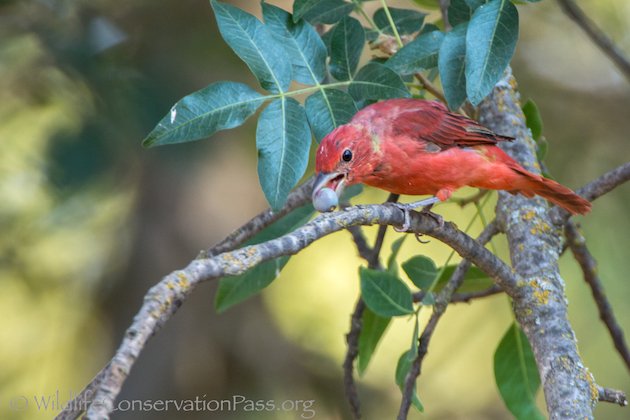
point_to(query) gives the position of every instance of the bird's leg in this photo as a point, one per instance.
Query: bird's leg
(426, 205)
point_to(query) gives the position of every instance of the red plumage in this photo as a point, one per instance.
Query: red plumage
(418, 147)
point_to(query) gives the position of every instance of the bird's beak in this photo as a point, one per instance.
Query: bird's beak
(323, 199)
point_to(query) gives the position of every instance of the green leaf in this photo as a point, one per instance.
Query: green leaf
(283, 140)
(429, 27)
(421, 271)
(419, 54)
(490, 43)
(375, 81)
(451, 64)
(392, 267)
(460, 11)
(516, 374)
(374, 327)
(302, 43)
(428, 299)
(475, 280)
(233, 290)
(327, 110)
(220, 106)
(346, 43)
(407, 21)
(533, 119)
(384, 293)
(321, 11)
(402, 369)
(255, 45)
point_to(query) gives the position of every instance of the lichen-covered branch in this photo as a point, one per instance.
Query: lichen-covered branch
(164, 299)
(613, 396)
(540, 305)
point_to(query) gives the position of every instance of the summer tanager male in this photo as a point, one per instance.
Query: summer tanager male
(417, 147)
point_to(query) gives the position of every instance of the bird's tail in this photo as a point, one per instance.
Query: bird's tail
(551, 190)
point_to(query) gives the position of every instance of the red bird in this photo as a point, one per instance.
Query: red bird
(417, 147)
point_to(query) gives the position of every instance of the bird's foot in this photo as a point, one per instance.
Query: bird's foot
(426, 206)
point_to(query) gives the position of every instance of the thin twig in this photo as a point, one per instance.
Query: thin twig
(464, 297)
(596, 35)
(352, 339)
(463, 202)
(606, 182)
(612, 396)
(392, 24)
(441, 303)
(467, 297)
(373, 261)
(444, 11)
(585, 259)
(595, 189)
(360, 241)
(430, 87)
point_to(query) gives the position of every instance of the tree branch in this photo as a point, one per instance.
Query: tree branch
(585, 259)
(606, 183)
(595, 189)
(534, 243)
(596, 35)
(352, 339)
(163, 299)
(612, 396)
(467, 297)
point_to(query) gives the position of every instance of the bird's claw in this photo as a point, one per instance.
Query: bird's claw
(407, 223)
(427, 204)
(418, 236)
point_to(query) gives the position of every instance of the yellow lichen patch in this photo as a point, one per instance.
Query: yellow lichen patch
(591, 385)
(542, 296)
(529, 215)
(540, 227)
(513, 84)
(183, 279)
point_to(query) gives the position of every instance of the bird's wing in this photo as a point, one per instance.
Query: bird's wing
(431, 121)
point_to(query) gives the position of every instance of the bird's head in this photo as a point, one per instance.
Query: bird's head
(344, 157)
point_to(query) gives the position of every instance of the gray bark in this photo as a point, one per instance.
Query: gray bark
(534, 240)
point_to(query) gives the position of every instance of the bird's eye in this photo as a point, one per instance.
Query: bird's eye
(346, 156)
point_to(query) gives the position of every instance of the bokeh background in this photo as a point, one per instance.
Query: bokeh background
(90, 220)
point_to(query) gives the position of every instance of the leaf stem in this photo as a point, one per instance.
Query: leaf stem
(308, 89)
(370, 21)
(392, 24)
